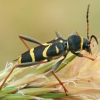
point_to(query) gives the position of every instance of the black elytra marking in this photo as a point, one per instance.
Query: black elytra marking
(38, 52)
(52, 51)
(25, 57)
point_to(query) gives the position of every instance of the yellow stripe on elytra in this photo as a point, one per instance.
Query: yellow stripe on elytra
(57, 50)
(45, 51)
(61, 41)
(45, 44)
(81, 42)
(32, 54)
(19, 59)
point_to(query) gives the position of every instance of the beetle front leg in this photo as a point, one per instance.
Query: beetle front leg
(81, 55)
(53, 72)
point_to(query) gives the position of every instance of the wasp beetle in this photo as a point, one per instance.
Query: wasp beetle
(54, 49)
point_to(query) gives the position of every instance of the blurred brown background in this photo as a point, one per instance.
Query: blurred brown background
(40, 19)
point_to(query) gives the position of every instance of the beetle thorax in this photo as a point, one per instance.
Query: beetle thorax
(74, 42)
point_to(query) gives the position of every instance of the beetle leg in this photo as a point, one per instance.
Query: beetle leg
(58, 35)
(20, 65)
(81, 55)
(7, 77)
(92, 36)
(22, 37)
(53, 69)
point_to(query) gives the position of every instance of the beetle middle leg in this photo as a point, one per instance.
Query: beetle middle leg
(53, 72)
(58, 35)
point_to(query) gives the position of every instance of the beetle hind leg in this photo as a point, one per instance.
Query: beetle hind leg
(17, 66)
(22, 37)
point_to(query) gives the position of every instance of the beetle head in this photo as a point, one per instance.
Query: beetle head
(87, 42)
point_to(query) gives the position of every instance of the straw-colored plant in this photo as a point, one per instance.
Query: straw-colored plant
(80, 76)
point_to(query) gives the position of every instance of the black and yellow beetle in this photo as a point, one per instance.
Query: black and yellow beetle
(54, 49)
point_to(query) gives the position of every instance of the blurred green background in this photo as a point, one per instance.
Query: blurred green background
(40, 19)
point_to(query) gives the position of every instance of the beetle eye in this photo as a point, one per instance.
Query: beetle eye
(87, 45)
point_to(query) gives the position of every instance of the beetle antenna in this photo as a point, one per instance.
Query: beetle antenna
(92, 36)
(87, 20)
